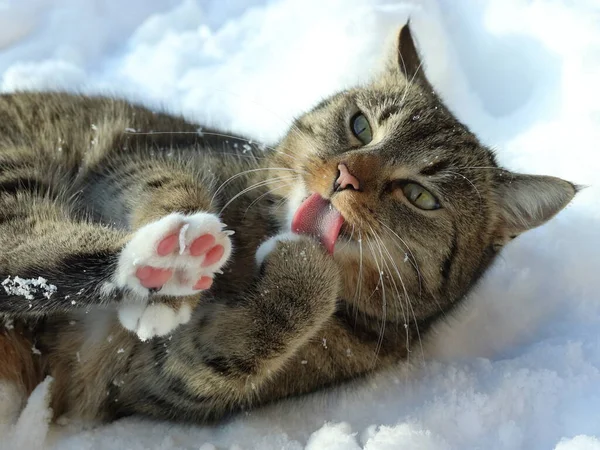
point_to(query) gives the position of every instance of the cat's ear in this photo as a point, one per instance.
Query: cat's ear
(528, 201)
(405, 60)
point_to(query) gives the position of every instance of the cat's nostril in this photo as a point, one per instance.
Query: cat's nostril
(345, 179)
(336, 185)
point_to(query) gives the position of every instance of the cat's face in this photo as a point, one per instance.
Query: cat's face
(425, 207)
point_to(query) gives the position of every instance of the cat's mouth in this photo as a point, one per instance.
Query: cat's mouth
(316, 216)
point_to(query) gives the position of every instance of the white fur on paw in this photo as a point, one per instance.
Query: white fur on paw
(158, 319)
(141, 251)
(269, 245)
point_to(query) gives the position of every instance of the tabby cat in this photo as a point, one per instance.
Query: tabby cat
(369, 221)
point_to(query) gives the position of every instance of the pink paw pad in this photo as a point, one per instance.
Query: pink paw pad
(213, 256)
(167, 245)
(176, 255)
(203, 283)
(203, 244)
(151, 277)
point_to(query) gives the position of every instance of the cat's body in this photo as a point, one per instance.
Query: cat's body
(118, 209)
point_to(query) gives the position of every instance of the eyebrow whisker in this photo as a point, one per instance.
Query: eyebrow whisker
(434, 168)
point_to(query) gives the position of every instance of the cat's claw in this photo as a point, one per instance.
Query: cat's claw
(176, 255)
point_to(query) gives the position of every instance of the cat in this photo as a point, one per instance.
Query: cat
(370, 221)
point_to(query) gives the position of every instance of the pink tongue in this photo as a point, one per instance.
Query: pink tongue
(317, 217)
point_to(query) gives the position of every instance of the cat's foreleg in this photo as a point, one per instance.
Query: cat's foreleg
(178, 243)
(51, 262)
(294, 297)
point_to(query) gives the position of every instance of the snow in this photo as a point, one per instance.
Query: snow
(28, 287)
(519, 366)
(31, 428)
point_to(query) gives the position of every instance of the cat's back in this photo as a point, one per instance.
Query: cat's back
(77, 128)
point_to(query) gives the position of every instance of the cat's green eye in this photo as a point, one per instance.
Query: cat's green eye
(360, 128)
(420, 197)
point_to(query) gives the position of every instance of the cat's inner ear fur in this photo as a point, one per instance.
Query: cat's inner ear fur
(528, 201)
(405, 60)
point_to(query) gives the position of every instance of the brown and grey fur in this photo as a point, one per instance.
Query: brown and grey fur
(72, 194)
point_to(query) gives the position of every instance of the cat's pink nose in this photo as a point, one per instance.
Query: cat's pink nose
(346, 180)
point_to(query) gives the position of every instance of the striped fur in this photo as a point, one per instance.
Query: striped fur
(80, 176)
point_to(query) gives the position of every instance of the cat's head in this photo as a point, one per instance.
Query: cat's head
(425, 206)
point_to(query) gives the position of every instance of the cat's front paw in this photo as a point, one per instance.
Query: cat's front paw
(301, 272)
(176, 255)
(267, 247)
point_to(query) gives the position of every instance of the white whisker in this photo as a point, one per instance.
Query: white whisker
(270, 191)
(412, 258)
(383, 305)
(245, 172)
(254, 186)
(409, 303)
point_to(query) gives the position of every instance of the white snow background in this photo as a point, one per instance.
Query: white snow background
(519, 368)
